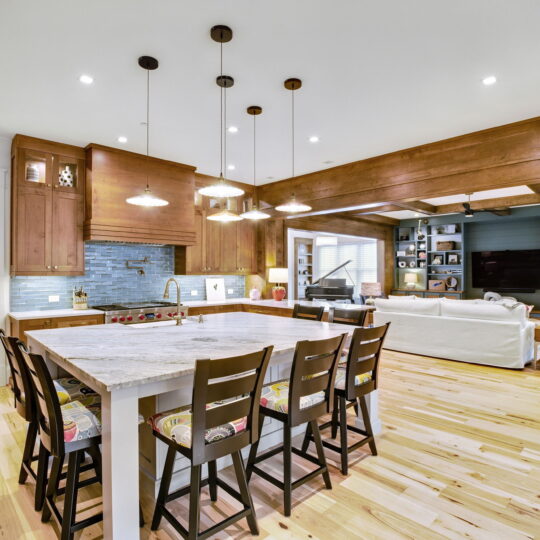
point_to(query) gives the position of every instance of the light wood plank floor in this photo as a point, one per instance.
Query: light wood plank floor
(459, 457)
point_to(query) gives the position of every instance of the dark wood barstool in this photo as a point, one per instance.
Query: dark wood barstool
(222, 419)
(353, 317)
(21, 386)
(67, 430)
(353, 383)
(307, 396)
(311, 313)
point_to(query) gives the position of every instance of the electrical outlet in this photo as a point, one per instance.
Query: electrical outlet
(54, 298)
(194, 292)
(230, 291)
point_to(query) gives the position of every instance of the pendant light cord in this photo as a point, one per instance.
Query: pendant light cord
(221, 112)
(254, 163)
(292, 122)
(147, 124)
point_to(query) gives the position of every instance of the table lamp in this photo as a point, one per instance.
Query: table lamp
(370, 290)
(278, 276)
(411, 280)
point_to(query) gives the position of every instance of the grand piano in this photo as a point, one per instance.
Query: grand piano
(331, 289)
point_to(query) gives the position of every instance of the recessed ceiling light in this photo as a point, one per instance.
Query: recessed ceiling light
(328, 162)
(86, 79)
(488, 81)
(314, 139)
(416, 214)
(231, 167)
(233, 129)
(269, 177)
(122, 139)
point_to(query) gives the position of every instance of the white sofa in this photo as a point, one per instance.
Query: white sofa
(476, 331)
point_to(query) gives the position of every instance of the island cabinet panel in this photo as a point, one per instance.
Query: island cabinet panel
(47, 208)
(115, 175)
(19, 327)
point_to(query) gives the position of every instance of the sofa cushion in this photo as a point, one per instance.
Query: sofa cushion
(420, 306)
(486, 311)
(402, 297)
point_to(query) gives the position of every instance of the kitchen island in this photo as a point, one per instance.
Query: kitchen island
(127, 363)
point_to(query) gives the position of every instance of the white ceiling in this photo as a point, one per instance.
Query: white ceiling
(378, 76)
(481, 195)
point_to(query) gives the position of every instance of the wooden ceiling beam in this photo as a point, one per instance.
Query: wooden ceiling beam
(499, 157)
(499, 203)
(534, 187)
(417, 206)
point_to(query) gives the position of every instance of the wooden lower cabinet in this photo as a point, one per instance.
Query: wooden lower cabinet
(19, 327)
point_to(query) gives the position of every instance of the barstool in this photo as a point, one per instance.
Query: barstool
(67, 389)
(65, 430)
(307, 396)
(221, 421)
(353, 317)
(310, 313)
(353, 383)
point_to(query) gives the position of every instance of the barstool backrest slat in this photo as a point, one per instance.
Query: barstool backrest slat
(353, 317)
(312, 313)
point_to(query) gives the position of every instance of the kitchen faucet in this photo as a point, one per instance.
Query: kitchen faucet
(178, 315)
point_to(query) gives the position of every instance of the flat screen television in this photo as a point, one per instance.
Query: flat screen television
(511, 270)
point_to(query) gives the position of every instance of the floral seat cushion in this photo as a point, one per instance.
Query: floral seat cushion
(82, 418)
(342, 374)
(276, 396)
(176, 425)
(71, 389)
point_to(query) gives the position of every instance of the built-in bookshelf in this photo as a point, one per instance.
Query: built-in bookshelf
(430, 259)
(303, 266)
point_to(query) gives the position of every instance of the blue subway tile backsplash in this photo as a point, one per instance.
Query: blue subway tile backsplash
(108, 280)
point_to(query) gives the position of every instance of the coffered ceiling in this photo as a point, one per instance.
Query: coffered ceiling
(378, 76)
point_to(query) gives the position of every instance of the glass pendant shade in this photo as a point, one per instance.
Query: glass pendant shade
(224, 216)
(293, 207)
(221, 190)
(147, 199)
(255, 214)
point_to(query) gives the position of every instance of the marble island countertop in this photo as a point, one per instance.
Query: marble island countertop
(283, 304)
(115, 356)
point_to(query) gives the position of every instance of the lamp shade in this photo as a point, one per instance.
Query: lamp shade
(370, 289)
(410, 278)
(278, 275)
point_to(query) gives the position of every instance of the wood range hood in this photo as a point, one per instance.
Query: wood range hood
(113, 175)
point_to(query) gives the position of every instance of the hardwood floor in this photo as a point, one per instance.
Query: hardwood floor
(459, 457)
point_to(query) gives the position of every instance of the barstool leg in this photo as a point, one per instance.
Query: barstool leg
(41, 480)
(335, 417)
(244, 492)
(52, 486)
(343, 435)
(320, 453)
(28, 453)
(253, 450)
(163, 487)
(194, 502)
(287, 465)
(307, 437)
(70, 500)
(367, 424)
(212, 480)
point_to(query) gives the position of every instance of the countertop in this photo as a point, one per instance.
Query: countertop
(284, 304)
(116, 356)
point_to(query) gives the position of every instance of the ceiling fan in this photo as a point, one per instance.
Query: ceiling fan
(469, 212)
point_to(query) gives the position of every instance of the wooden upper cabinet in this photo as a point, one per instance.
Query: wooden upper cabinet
(114, 175)
(246, 240)
(47, 208)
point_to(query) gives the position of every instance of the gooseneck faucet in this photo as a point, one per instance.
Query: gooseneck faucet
(178, 315)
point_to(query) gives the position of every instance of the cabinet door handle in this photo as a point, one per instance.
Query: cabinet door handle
(55, 267)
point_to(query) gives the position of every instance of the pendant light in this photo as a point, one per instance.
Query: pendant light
(147, 199)
(222, 34)
(293, 206)
(254, 213)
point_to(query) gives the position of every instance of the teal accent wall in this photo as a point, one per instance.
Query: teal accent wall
(485, 231)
